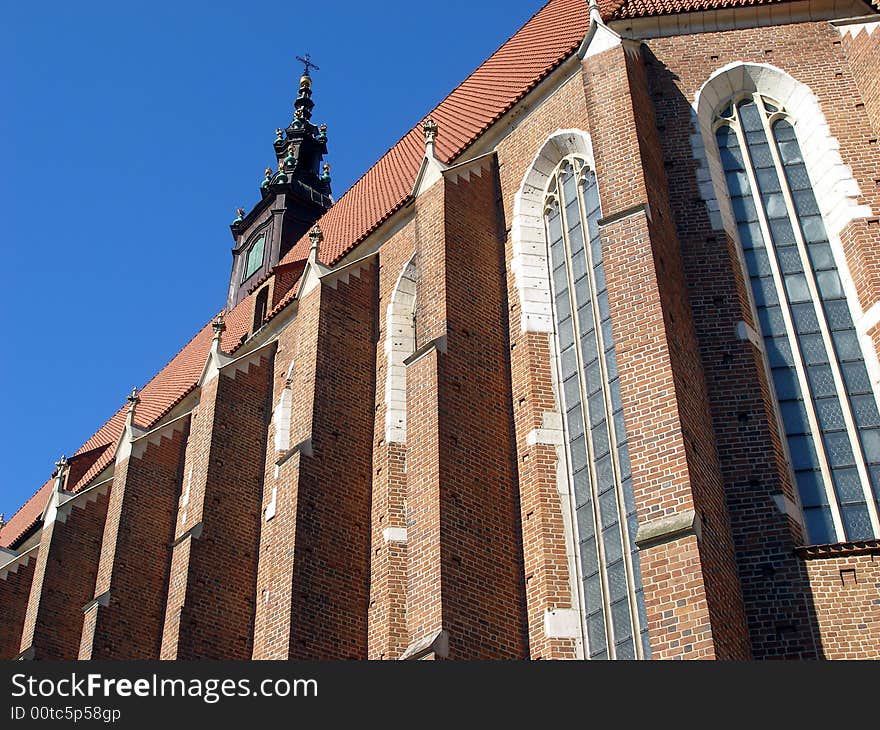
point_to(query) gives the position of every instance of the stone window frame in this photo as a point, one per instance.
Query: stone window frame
(263, 233)
(400, 343)
(530, 265)
(834, 187)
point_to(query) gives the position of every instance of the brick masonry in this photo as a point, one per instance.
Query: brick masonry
(845, 595)
(775, 586)
(125, 619)
(64, 578)
(210, 608)
(314, 570)
(15, 589)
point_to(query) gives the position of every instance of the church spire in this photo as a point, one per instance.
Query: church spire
(300, 148)
(294, 194)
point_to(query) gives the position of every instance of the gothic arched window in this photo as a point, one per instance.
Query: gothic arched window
(254, 257)
(827, 408)
(598, 457)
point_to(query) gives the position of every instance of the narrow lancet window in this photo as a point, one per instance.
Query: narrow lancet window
(827, 407)
(605, 517)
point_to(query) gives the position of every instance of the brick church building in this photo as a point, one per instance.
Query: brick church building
(584, 367)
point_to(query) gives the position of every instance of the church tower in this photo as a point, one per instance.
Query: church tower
(293, 197)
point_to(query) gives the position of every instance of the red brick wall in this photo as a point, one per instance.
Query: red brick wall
(548, 582)
(314, 553)
(278, 535)
(64, 580)
(774, 584)
(136, 554)
(463, 538)
(862, 50)
(673, 464)
(716, 544)
(387, 631)
(15, 588)
(210, 610)
(845, 596)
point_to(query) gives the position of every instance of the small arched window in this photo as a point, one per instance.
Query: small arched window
(261, 307)
(827, 408)
(605, 521)
(254, 257)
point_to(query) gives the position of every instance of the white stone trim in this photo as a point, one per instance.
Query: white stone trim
(400, 343)
(836, 190)
(473, 167)
(869, 319)
(736, 18)
(342, 273)
(155, 436)
(787, 507)
(529, 264)
(394, 534)
(746, 333)
(854, 26)
(550, 433)
(62, 502)
(281, 419)
(273, 504)
(562, 623)
(16, 561)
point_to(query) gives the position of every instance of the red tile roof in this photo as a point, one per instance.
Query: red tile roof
(622, 9)
(548, 38)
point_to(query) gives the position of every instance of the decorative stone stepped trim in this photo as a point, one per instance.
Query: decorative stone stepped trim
(62, 502)
(470, 168)
(16, 561)
(854, 26)
(839, 550)
(341, 274)
(166, 430)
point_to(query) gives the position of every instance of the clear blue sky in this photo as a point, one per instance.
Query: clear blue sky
(129, 134)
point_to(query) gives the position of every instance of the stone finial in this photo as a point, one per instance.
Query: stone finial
(219, 325)
(325, 174)
(315, 238)
(133, 399)
(61, 464)
(290, 160)
(430, 129)
(278, 134)
(239, 216)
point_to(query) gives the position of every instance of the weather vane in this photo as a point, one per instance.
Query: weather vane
(307, 64)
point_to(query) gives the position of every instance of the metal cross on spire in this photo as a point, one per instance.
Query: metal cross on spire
(307, 64)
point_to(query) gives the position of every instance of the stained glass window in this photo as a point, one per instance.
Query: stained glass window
(605, 515)
(827, 408)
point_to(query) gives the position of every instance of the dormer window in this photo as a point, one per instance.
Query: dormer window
(254, 256)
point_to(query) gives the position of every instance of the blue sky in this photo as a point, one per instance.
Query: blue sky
(129, 134)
